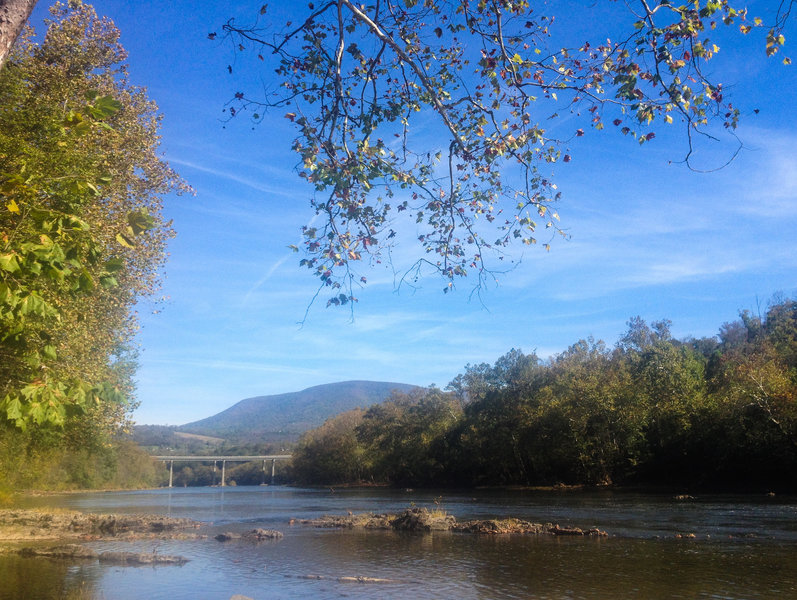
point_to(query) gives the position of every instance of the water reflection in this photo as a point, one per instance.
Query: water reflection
(743, 548)
(37, 579)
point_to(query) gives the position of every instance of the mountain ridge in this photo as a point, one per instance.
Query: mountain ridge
(284, 417)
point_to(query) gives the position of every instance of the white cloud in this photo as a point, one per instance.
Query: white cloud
(232, 175)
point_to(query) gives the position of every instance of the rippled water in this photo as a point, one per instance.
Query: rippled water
(744, 548)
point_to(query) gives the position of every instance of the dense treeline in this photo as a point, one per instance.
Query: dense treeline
(28, 464)
(82, 240)
(716, 412)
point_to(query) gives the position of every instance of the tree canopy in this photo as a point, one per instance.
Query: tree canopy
(81, 232)
(441, 110)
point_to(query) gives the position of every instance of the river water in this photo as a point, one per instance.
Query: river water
(744, 547)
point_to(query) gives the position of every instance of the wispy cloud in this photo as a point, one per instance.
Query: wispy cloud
(232, 175)
(678, 270)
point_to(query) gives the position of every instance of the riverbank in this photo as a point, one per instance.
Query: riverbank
(60, 525)
(54, 534)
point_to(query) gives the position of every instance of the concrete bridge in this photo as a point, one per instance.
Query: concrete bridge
(224, 460)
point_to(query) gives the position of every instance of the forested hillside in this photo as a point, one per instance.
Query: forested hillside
(717, 412)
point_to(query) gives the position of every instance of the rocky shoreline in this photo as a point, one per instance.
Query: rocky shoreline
(37, 525)
(56, 534)
(21, 527)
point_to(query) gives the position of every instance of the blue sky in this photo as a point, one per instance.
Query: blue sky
(649, 238)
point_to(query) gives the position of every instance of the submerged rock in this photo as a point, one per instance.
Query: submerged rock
(362, 520)
(360, 579)
(143, 558)
(76, 551)
(64, 551)
(348, 579)
(256, 535)
(263, 534)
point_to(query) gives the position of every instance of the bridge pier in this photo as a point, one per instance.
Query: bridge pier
(273, 467)
(171, 472)
(223, 465)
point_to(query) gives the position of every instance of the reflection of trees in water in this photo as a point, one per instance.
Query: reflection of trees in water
(607, 569)
(46, 579)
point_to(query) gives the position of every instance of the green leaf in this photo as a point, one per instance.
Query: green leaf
(8, 297)
(106, 106)
(9, 262)
(107, 281)
(85, 281)
(140, 221)
(13, 409)
(125, 241)
(33, 304)
(112, 265)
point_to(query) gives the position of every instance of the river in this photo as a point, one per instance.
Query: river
(744, 548)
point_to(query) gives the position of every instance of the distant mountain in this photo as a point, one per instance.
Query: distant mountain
(284, 417)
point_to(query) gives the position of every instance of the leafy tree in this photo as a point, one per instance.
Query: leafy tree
(331, 453)
(754, 399)
(592, 389)
(404, 437)
(781, 329)
(494, 438)
(479, 379)
(81, 233)
(439, 109)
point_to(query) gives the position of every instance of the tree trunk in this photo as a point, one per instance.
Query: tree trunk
(13, 14)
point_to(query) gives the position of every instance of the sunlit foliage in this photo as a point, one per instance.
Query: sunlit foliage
(81, 232)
